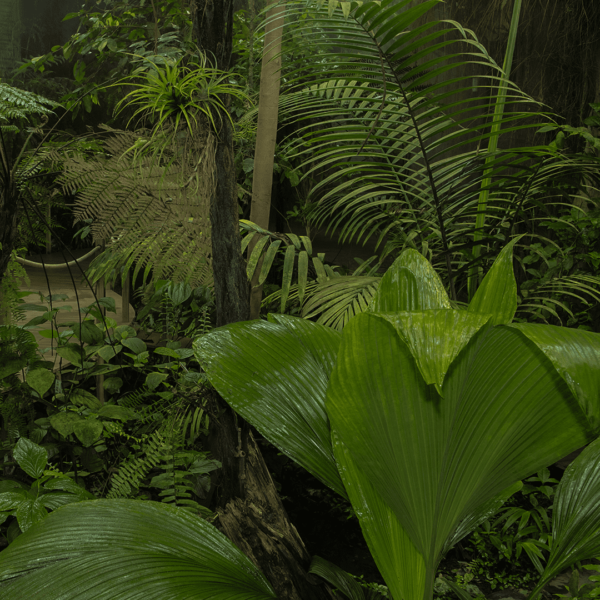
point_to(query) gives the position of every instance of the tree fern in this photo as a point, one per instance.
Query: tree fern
(151, 212)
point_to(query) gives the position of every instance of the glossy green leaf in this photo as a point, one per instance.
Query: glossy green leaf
(179, 292)
(136, 345)
(54, 500)
(10, 500)
(288, 271)
(397, 558)
(12, 366)
(255, 256)
(269, 374)
(68, 556)
(324, 346)
(31, 457)
(67, 485)
(482, 513)
(71, 352)
(576, 515)
(40, 380)
(435, 337)
(108, 352)
(337, 577)
(88, 333)
(436, 460)
(268, 259)
(575, 354)
(64, 422)
(497, 294)
(30, 512)
(81, 397)
(410, 284)
(88, 430)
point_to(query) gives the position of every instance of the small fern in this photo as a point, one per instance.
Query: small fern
(132, 472)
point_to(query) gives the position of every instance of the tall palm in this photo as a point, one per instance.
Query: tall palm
(396, 111)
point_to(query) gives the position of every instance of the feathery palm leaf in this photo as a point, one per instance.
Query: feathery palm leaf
(395, 111)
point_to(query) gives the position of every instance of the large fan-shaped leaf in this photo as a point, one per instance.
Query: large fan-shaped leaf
(505, 414)
(127, 550)
(275, 376)
(575, 354)
(399, 562)
(576, 516)
(497, 293)
(410, 284)
(436, 337)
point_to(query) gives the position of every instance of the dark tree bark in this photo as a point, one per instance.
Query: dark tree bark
(9, 214)
(250, 511)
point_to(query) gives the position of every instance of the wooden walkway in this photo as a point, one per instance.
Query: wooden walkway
(61, 283)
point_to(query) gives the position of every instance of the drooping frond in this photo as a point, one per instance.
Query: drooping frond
(18, 104)
(395, 119)
(149, 211)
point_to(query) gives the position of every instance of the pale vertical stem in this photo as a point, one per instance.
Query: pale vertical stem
(266, 136)
(125, 298)
(251, 19)
(100, 293)
(475, 272)
(48, 232)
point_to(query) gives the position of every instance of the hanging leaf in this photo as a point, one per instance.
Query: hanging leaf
(88, 333)
(113, 411)
(40, 380)
(136, 345)
(64, 422)
(179, 293)
(12, 366)
(288, 270)
(153, 380)
(74, 353)
(255, 256)
(82, 397)
(88, 430)
(268, 261)
(302, 274)
(108, 352)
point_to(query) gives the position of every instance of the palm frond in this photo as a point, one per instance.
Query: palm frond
(394, 122)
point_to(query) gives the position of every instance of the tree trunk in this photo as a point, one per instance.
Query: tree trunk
(249, 508)
(9, 213)
(266, 137)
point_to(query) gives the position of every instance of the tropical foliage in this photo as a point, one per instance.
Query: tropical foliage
(397, 414)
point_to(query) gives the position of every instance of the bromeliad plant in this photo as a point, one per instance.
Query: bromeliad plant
(426, 417)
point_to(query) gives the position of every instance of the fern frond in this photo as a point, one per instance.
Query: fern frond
(152, 212)
(131, 473)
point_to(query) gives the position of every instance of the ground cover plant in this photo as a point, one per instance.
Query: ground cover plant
(399, 425)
